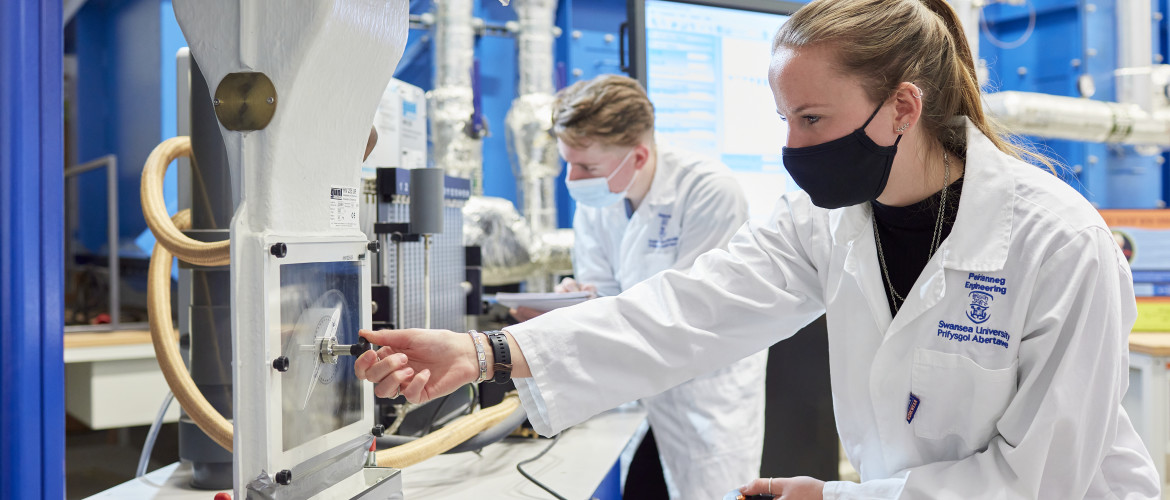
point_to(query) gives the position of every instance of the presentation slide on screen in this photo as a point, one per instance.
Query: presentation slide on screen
(707, 75)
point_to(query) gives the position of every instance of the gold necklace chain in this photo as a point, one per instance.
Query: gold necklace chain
(935, 241)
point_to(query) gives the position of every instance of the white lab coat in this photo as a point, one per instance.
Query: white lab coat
(1026, 405)
(694, 205)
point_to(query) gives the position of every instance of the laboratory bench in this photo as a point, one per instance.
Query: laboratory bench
(582, 464)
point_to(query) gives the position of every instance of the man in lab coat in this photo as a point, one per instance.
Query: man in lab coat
(642, 209)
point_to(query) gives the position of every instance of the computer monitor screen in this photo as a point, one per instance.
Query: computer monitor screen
(705, 67)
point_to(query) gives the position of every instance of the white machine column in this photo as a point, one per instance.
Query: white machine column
(295, 84)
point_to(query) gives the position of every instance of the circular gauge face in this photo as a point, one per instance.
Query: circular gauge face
(316, 325)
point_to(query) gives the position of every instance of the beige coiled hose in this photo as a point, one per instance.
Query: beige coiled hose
(154, 209)
(449, 436)
(166, 346)
(171, 240)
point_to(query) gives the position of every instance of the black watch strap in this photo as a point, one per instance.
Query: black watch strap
(503, 356)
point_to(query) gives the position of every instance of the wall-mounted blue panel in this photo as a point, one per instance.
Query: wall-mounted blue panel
(498, 80)
(594, 38)
(1135, 180)
(1162, 34)
(96, 117)
(32, 404)
(417, 64)
(126, 105)
(1070, 39)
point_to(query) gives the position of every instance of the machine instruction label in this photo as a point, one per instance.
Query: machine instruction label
(343, 206)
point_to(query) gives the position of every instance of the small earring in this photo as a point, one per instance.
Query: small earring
(902, 128)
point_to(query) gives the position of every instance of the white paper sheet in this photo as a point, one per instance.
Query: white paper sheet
(542, 301)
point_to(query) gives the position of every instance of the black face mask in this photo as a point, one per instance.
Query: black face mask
(842, 172)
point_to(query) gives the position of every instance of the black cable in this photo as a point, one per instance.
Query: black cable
(439, 408)
(435, 414)
(520, 468)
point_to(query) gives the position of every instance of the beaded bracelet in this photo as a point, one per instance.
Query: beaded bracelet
(479, 353)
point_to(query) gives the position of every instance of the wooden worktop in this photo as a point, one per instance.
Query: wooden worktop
(1152, 343)
(107, 339)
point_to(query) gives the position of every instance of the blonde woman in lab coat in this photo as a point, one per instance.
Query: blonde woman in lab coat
(643, 209)
(992, 365)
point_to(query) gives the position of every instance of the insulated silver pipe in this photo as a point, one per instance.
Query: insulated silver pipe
(1078, 119)
(1134, 34)
(1135, 54)
(534, 45)
(452, 100)
(535, 161)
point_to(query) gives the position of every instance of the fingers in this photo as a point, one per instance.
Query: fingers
(592, 289)
(566, 285)
(389, 374)
(414, 391)
(759, 486)
(385, 366)
(363, 363)
(390, 387)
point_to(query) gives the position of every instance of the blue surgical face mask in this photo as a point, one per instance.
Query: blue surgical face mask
(595, 192)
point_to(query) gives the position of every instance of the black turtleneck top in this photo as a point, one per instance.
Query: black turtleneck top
(906, 234)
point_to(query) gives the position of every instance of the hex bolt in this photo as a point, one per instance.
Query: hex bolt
(284, 477)
(377, 430)
(280, 364)
(279, 250)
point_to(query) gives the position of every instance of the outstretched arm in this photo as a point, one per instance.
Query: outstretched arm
(425, 364)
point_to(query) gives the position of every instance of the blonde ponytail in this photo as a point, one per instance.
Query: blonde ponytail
(887, 42)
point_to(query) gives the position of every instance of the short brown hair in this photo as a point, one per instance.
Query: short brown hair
(613, 109)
